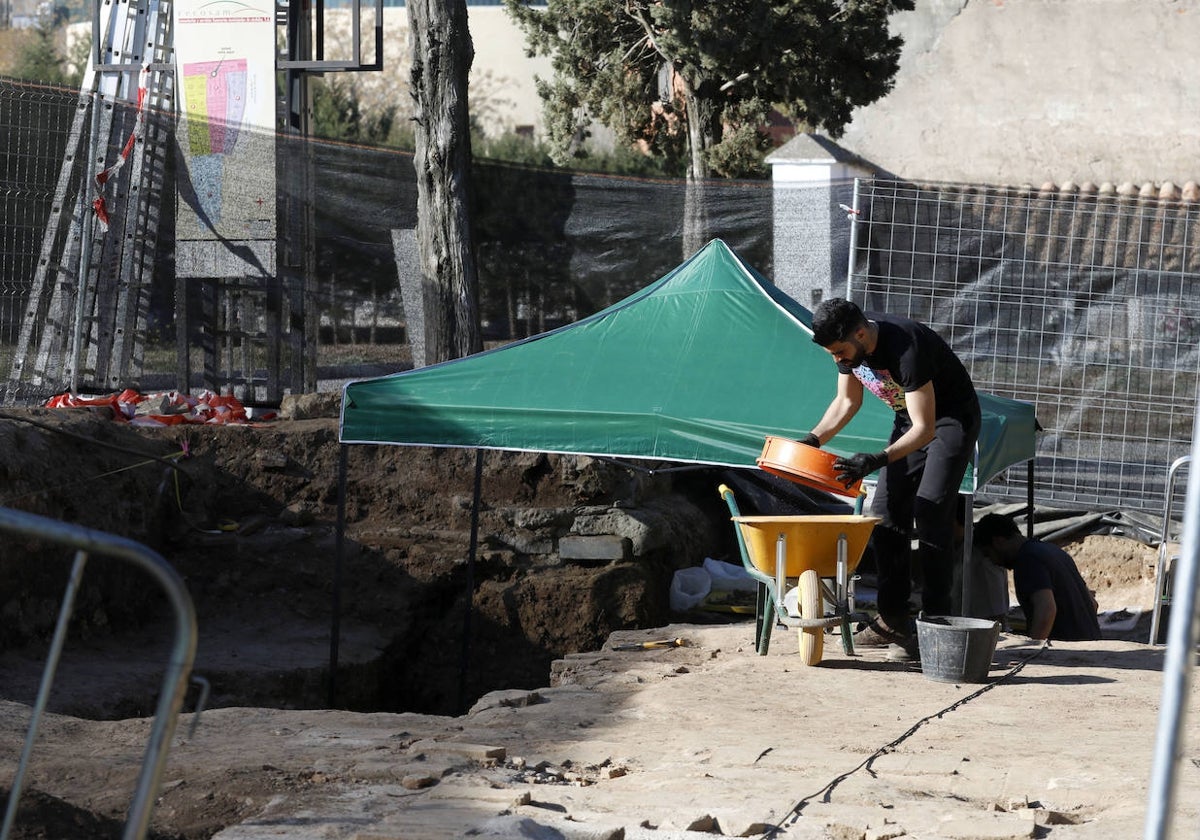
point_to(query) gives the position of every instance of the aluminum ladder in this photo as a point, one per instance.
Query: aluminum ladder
(85, 318)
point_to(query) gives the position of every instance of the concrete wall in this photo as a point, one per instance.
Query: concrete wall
(811, 240)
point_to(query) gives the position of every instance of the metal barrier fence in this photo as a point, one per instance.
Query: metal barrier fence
(323, 300)
(87, 542)
(1083, 302)
(35, 123)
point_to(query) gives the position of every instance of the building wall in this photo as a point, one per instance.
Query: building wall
(502, 90)
(502, 68)
(996, 92)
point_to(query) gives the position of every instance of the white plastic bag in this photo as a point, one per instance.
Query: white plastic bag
(689, 587)
(791, 602)
(727, 577)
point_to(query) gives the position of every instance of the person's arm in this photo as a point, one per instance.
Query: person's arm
(842, 409)
(1045, 608)
(922, 410)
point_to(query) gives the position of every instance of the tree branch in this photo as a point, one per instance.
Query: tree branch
(638, 16)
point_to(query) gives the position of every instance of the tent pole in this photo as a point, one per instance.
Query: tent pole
(966, 601)
(1029, 497)
(966, 505)
(339, 543)
(466, 631)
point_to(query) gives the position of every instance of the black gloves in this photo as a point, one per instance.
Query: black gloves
(811, 440)
(858, 466)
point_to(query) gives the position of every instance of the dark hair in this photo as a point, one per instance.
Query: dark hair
(834, 320)
(992, 526)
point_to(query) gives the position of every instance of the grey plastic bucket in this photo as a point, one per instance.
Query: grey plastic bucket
(955, 649)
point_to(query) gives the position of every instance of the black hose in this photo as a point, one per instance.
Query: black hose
(827, 791)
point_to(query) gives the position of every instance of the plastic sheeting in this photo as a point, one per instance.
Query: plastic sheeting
(552, 246)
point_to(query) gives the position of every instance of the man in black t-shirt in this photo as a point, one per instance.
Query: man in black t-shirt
(937, 419)
(1053, 595)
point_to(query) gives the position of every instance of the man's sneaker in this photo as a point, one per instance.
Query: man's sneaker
(877, 633)
(905, 651)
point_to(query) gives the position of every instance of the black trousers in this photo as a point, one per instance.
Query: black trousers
(918, 493)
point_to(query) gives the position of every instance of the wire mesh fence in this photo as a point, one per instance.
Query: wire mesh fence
(35, 127)
(1080, 301)
(323, 296)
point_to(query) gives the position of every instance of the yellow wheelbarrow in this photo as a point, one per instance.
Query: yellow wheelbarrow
(818, 552)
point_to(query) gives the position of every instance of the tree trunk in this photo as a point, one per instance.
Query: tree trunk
(441, 49)
(702, 126)
(696, 228)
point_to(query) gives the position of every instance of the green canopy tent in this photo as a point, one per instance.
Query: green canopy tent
(696, 368)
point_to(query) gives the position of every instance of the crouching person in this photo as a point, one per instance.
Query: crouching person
(1057, 603)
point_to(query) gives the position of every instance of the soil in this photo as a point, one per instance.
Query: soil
(248, 519)
(247, 516)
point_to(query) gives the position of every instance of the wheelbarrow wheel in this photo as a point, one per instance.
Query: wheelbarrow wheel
(812, 639)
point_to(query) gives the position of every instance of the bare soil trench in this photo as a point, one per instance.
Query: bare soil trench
(248, 519)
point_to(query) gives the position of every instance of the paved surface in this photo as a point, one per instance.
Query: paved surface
(703, 740)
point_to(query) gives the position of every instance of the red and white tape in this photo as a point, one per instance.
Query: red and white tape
(139, 130)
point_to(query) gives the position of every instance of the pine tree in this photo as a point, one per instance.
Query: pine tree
(699, 78)
(38, 57)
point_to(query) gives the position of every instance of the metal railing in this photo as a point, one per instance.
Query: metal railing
(87, 541)
(1178, 665)
(1165, 565)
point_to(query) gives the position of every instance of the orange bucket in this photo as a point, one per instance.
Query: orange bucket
(804, 464)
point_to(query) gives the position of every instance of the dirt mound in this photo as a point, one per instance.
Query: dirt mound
(1119, 570)
(247, 516)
